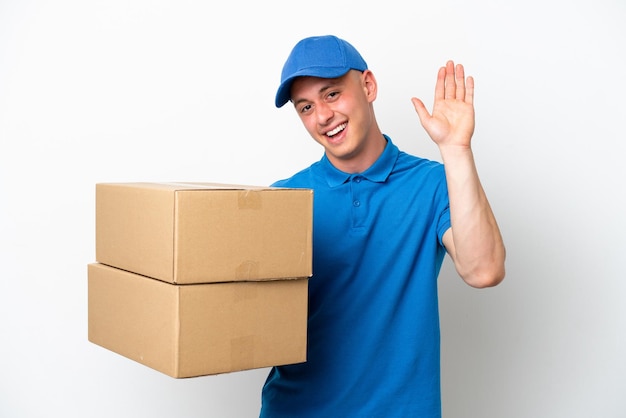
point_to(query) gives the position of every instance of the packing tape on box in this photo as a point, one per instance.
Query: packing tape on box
(242, 353)
(249, 199)
(244, 291)
(247, 269)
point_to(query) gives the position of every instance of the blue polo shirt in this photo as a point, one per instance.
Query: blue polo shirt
(373, 331)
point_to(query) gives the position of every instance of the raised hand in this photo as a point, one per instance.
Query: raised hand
(452, 120)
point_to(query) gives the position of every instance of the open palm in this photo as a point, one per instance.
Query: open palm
(452, 119)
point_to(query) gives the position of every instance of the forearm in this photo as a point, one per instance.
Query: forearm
(477, 248)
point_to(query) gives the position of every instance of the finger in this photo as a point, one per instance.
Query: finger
(460, 82)
(450, 86)
(440, 87)
(469, 90)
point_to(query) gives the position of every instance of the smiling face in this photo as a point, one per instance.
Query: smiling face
(339, 114)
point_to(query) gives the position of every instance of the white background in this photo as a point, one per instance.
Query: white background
(103, 91)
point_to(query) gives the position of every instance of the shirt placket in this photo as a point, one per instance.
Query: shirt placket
(358, 203)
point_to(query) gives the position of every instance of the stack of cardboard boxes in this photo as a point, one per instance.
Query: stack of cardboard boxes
(198, 279)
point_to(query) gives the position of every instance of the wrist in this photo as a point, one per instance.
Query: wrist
(453, 152)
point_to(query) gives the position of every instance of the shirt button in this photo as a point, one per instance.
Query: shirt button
(357, 179)
(356, 203)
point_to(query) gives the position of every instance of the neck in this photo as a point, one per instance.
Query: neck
(363, 158)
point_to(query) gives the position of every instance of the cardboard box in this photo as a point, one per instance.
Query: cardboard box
(200, 329)
(200, 233)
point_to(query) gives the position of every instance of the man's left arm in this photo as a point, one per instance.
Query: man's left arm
(474, 241)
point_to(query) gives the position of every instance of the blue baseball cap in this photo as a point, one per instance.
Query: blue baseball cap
(318, 56)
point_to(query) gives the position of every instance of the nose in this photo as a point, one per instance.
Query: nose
(324, 113)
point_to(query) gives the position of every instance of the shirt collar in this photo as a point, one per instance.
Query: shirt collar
(377, 172)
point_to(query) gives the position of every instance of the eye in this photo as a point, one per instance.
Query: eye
(332, 95)
(305, 108)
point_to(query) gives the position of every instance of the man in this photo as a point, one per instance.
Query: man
(383, 221)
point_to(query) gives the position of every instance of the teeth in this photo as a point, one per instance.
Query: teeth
(337, 130)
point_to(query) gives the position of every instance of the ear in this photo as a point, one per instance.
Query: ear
(370, 85)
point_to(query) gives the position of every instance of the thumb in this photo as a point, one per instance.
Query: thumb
(420, 108)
